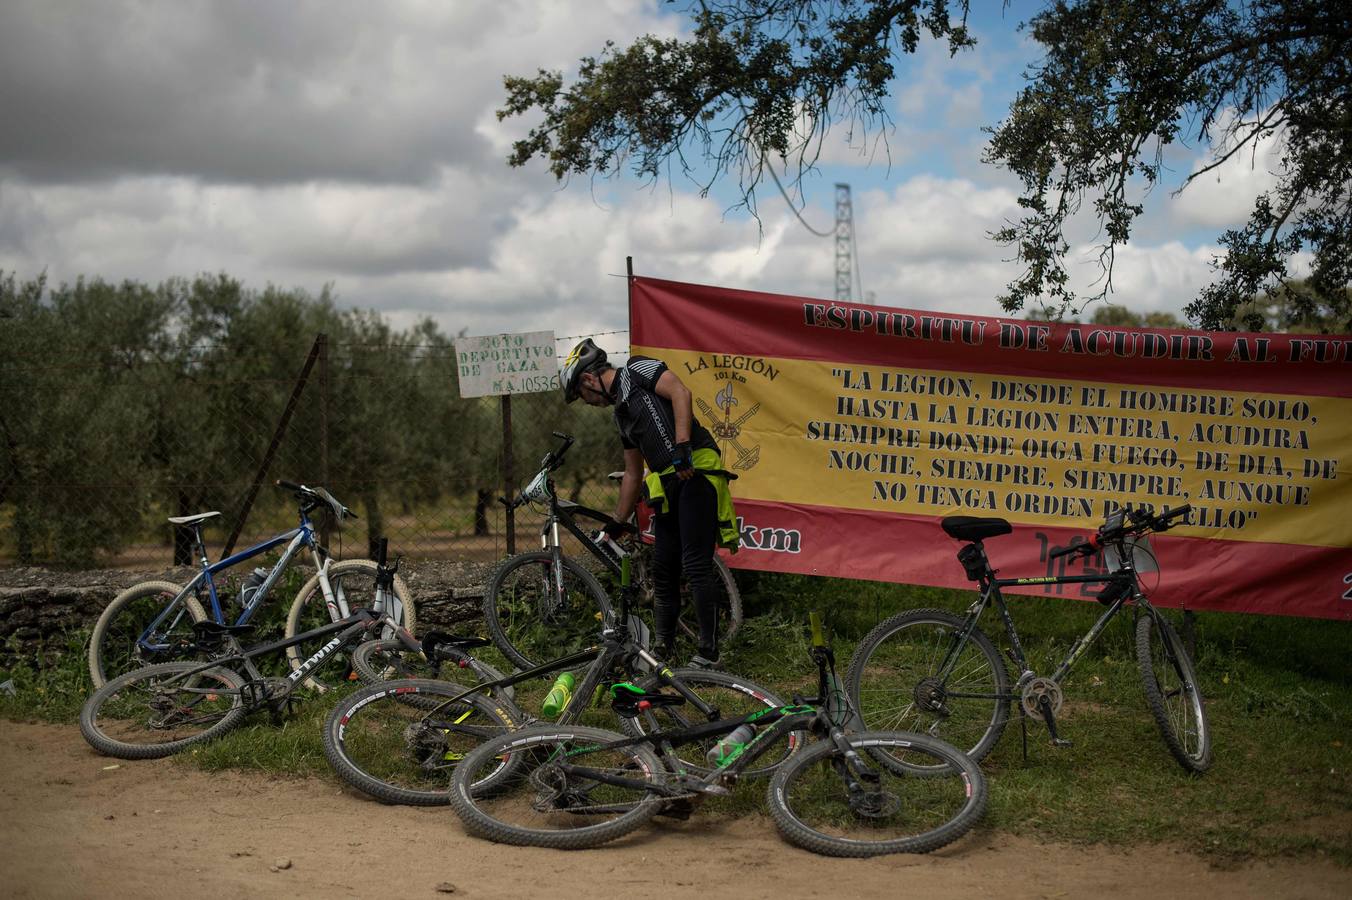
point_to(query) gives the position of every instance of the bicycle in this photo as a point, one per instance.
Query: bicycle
(574, 787)
(931, 671)
(153, 621)
(161, 709)
(542, 600)
(398, 740)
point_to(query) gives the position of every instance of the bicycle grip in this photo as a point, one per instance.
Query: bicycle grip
(1175, 513)
(289, 485)
(1086, 548)
(815, 619)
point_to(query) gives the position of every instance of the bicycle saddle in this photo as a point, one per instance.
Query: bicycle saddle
(433, 639)
(973, 528)
(193, 519)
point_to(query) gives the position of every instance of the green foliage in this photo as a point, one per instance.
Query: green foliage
(1121, 80)
(1111, 315)
(756, 79)
(1293, 307)
(123, 404)
(50, 686)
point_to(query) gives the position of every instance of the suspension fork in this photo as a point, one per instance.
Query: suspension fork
(337, 606)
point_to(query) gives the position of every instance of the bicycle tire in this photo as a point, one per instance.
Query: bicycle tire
(813, 809)
(889, 670)
(388, 660)
(520, 615)
(733, 696)
(115, 711)
(355, 578)
(728, 603)
(484, 811)
(113, 644)
(1167, 674)
(384, 741)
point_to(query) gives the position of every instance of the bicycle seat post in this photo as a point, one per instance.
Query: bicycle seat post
(201, 544)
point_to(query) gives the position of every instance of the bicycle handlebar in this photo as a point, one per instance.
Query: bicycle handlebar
(1141, 522)
(315, 497)
(1073, 548)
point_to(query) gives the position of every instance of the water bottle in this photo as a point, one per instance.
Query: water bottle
(608, 543)
(559, 695)
(730, 743)
(251, 585)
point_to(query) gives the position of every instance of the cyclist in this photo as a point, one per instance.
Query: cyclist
(687, 488)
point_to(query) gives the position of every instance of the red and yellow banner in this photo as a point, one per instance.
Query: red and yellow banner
(854, 429)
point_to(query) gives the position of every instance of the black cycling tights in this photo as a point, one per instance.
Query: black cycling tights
(686, 534)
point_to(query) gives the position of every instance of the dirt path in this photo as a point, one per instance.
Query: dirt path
(72, 825)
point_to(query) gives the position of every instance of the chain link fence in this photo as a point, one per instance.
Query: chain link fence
(99, 446)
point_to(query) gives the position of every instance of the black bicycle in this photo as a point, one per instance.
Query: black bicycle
(931, 671)
(399, 740)
(571, 787)
(543, 601)
(161, 709)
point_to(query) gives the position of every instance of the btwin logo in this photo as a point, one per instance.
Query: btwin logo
(308, 666)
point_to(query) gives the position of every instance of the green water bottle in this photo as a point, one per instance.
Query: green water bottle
(559, 695)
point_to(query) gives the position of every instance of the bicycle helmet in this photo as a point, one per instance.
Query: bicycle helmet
(586, 357)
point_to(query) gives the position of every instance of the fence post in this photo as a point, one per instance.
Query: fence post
(509, 471)
(277, 436)
(322, 342)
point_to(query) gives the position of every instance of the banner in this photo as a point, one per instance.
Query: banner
(854, 429)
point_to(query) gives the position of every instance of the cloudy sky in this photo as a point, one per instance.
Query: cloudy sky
(355, 143)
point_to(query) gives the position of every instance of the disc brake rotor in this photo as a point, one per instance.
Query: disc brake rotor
(875, 804)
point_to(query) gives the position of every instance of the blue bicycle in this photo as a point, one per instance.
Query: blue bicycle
(152, 622)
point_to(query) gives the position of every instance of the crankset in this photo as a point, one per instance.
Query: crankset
(1035, 690)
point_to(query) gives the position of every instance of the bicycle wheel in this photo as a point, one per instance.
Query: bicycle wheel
(377, 661)
(530, 620)
(398, 741)
(814, 807)
(115, 646)
(728, 602)
(567, 790)
(353, 580)
(156, 712)
(894, 681)
(731, 696)
(1172, 692)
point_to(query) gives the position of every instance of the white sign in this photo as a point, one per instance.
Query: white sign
(506, 364)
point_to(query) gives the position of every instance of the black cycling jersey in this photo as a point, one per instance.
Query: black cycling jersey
(645, 418)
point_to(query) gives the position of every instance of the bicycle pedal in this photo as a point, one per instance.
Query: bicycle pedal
(1062, 742)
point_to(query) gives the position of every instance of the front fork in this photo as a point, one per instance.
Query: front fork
(333, 600)
(860, 778)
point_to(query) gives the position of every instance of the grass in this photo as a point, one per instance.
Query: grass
(1277, 698)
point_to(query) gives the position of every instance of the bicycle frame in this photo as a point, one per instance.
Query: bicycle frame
(346, 629)
(990, 594)
(806, 715)
(303, 535)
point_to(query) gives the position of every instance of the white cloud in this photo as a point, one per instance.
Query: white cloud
(1223, 197)
(356, 144)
